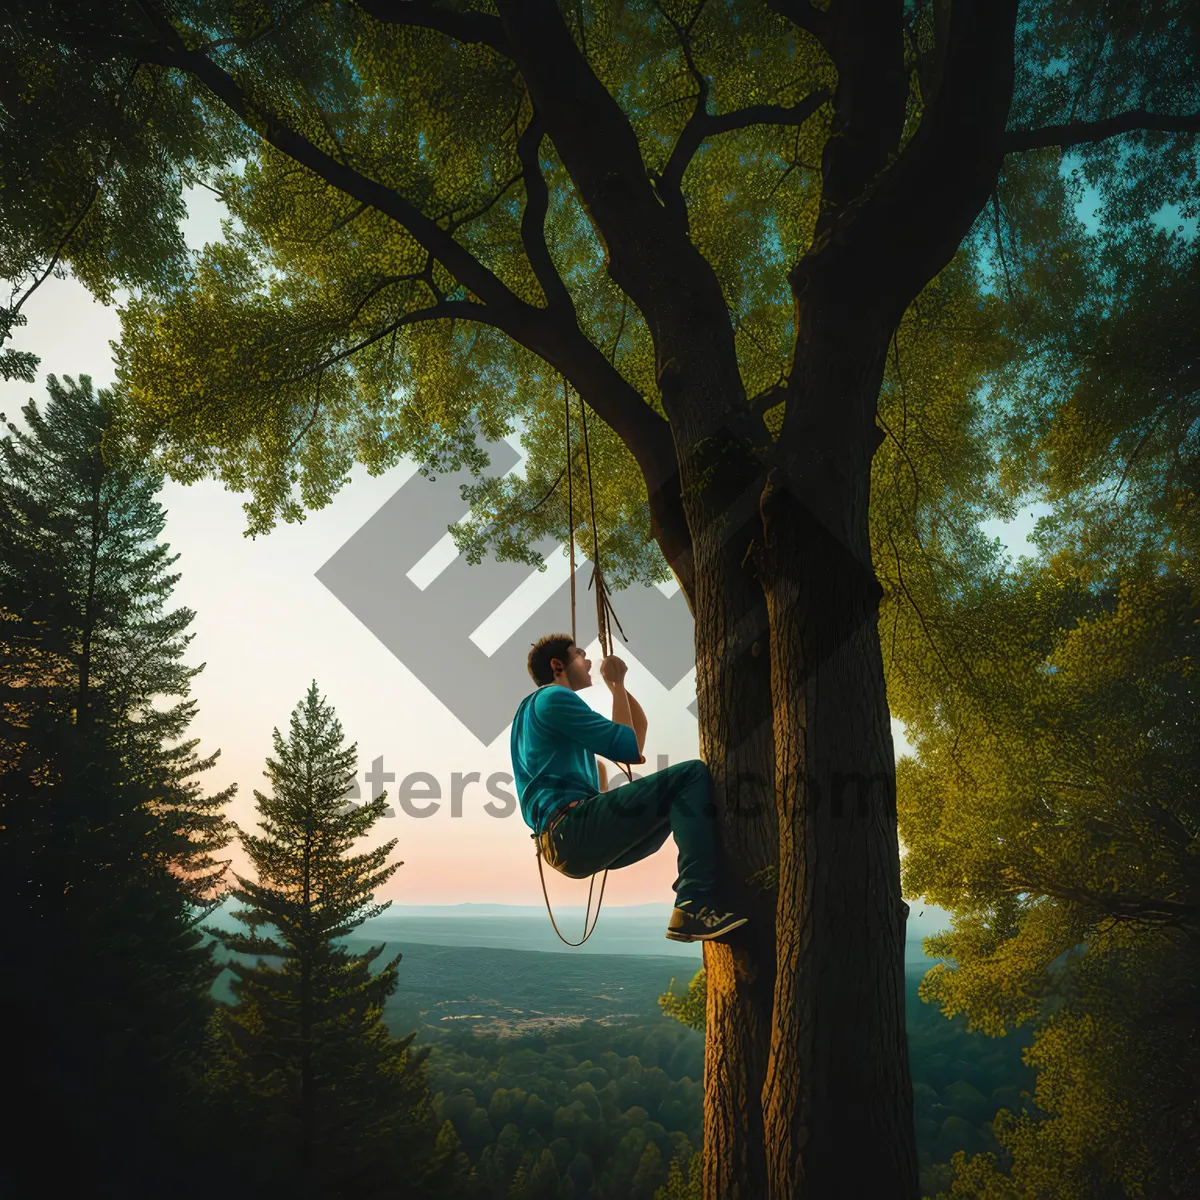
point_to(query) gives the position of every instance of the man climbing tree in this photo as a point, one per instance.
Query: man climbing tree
(579, 828)
(718, 222)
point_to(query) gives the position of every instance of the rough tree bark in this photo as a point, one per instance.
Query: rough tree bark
(837, 1080)
(733, 687)
(806, 1056)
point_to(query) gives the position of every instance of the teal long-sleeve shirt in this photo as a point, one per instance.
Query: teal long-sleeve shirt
(556, 735)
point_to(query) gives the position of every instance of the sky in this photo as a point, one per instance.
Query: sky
(266, 627)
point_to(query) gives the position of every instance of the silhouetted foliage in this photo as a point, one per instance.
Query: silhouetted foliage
(106, 840)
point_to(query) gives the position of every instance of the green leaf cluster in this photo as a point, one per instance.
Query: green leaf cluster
(1051, 804)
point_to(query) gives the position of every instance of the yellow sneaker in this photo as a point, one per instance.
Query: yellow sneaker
(691, 922)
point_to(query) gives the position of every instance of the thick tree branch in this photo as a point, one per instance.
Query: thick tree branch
(765, 114)
(802, 14)
(1123, 907)
(562, 345)
(883, 243)
(702, 125)
(911, 219)
(508, 309)
(937, 190)
(592, 135)
(865, 40)
(1076, 133)
(533, 221)
(650, 257)
(466, 27)
(767, 399)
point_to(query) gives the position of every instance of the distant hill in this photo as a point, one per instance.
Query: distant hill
(637, 929)
(449, 978)
(509, 992)
(500, 968)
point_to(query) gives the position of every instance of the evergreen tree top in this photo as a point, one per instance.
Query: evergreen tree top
(309, 884)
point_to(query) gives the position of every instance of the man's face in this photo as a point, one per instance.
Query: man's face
(578, 670)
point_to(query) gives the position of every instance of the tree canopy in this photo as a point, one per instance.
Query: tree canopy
(412, 259)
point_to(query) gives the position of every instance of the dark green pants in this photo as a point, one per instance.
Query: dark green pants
(617, 828)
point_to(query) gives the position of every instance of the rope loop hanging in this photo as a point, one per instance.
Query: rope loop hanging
(604, 608)
(589, 922)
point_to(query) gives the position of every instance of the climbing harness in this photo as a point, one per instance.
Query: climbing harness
(604, 611)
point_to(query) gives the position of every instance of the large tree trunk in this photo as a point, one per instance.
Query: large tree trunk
(838, 1100)
(838, 1097)
(733, 685)
(807, 1082)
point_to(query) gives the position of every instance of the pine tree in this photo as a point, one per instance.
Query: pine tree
(543, 1180)
(519, 1188)
(448, 1174)
(651, 1174)
(85, 643)
(106, 842)
(331, 1098)
(683, 1178)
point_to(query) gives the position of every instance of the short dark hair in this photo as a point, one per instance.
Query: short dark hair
(553, 645)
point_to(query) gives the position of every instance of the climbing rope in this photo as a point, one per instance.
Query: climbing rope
(604, 611)
(589, 922)
(571, 499)
(604, 608)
